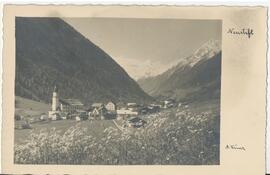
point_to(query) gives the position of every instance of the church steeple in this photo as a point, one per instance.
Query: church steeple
(55, 89)
(55, 99)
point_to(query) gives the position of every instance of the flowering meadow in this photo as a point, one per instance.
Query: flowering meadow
(175, 137)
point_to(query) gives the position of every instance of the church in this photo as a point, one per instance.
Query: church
(60, 106)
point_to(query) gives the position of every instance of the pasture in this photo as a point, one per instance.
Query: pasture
(187, 135)
(26, 107)
(94, 127)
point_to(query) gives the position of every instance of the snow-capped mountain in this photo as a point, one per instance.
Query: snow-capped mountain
(206, 51)
(197, 74)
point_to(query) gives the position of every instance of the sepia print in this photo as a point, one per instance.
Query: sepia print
(117, 91)
(153, 90)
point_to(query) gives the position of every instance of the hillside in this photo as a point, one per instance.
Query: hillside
(196, 77)
(27, 107)
(49, 52)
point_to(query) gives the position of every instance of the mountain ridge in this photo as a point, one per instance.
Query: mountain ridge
(49, 52)
(182, 81)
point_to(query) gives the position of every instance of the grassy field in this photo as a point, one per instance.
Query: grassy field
(94, 127)
(186, 135)
(26, 107)
(203, 106)
(31, 109)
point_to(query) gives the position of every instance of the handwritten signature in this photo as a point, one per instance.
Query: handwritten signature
(235, 147)
(244, 31)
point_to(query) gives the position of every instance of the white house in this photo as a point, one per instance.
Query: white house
(110, 106)
(78, 118)
(55, 116)
(168, 103)
(70, 105)
(126, 112)
(43, 117)
(132, 106)
(98, 111)
(97, 105)
(123, 113)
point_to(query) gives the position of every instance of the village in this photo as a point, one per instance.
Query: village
(74, 109)
(124, 95)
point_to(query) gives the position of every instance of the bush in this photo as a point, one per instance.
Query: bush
(173, 138)
(17, 117)
(26, 125)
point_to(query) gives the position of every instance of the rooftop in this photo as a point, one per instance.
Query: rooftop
(97, 104)
(71, 102)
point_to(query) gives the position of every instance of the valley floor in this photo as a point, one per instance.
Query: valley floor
(185, 135)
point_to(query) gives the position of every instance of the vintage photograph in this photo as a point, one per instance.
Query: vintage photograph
(117, 91)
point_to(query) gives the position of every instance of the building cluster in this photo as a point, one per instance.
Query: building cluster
(75, 109)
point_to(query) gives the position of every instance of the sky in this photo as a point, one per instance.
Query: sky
(147, 47)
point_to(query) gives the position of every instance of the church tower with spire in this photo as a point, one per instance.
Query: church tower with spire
(55, 99)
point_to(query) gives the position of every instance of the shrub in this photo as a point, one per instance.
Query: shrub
(17, 117)
(177, 137)
(26, 125)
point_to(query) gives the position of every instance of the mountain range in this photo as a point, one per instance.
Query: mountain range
(196, 77)
(50, 52)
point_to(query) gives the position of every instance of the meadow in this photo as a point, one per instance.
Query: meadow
(179, 136)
